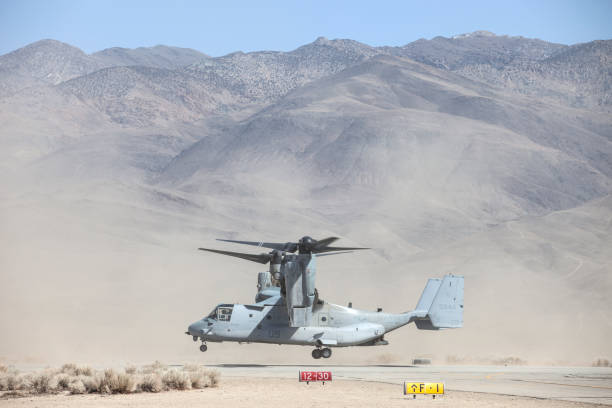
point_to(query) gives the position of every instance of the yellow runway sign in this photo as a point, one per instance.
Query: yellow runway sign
(423, 388)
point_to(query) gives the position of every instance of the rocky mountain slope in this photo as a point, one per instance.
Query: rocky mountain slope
(160, 56)
(390, 125)
(577, 75)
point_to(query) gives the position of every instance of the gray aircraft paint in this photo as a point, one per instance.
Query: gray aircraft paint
(288, 309)
(440, 306)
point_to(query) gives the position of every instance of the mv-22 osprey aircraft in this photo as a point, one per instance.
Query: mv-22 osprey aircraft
(288, 309)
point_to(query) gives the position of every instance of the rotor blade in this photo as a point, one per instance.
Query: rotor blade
(261, 258)
(321, 243)
(330, 249)
(287, 246)
(335, 253)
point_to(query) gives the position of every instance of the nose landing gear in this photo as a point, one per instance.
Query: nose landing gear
(203, 347)
(319, 352)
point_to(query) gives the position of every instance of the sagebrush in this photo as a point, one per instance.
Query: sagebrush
(73, 379)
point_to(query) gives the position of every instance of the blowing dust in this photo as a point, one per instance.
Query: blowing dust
(105, 280)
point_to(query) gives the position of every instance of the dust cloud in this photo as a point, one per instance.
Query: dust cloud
(111, 277)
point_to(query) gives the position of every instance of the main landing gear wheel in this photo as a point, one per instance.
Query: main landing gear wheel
(316, 354)
(326, 353)
(203, 348)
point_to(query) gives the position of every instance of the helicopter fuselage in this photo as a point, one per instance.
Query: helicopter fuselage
(268, 322)
(288, 309)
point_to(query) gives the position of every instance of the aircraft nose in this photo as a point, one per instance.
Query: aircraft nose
(196, 328)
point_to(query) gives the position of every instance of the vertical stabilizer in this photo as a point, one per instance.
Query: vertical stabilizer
(445, 310)
(428, 295)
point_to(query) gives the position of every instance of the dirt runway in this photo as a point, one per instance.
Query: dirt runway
(254, 385)
(283, 393)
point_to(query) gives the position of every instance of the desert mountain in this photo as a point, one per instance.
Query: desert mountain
(413, 136)
(485, 155)
(160, 56)
(577, 75)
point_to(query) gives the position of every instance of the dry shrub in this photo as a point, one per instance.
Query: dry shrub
(85, 371)
(61, 382)
(509, 361)
(151, 383)
(69, 368)
(16, 382)
(482, 360)
(91, 383)
(130, 370)
(213, 376)
(10, 380)
(191, 367)
(126, 383)
(602, 362)
(199, 378)
(176, 380)
(3, 368)
(40, 383)
(82, 380)
(454, 360)
(76, 386)
(74, 370)
(155, 367)
(113, 383)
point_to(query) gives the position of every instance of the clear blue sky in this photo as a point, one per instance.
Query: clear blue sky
(220, 27)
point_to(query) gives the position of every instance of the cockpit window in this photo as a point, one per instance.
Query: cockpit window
(222, 313)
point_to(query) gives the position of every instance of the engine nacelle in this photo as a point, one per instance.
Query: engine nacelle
(264, 281)
(299, 272)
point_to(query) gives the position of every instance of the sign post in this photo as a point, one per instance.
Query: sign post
(308, 376)
(414, 388)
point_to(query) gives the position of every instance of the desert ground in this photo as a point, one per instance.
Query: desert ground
(274, 392)
(361, 386)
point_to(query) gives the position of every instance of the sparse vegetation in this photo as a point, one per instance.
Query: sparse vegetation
(505, 361)
(73, 370)
(602, 362)
(509, 361)
(40, 383)
(174, 379)
(154, 367)
(116, 383)
(131, 370)
(72, 379)
(151, 383)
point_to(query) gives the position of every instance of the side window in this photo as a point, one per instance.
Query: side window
(224, 314)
